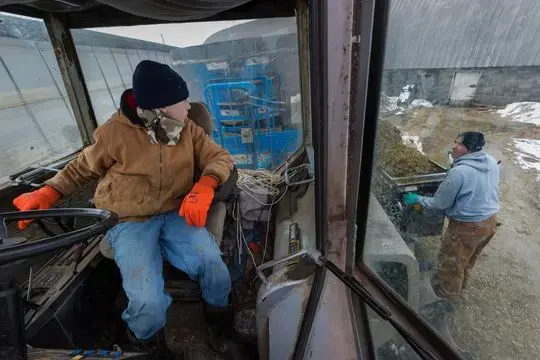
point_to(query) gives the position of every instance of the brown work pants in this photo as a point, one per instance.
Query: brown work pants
(461, 245)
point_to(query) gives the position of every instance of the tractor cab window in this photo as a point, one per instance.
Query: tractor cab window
(454, 208)
(37, 125)
(246, 72)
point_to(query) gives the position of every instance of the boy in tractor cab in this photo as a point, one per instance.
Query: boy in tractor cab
(145, 157)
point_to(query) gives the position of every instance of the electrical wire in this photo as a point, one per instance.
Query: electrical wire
(258, 184)
(240, 236)
(267, 231)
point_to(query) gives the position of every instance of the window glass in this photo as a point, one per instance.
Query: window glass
(245, 73)
(388, 344)
(36, 120)
(454, 219)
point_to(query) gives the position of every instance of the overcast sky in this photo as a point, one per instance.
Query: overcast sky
(173, 34)
(180, 35)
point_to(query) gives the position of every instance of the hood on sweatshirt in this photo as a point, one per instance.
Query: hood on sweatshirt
(480, 161)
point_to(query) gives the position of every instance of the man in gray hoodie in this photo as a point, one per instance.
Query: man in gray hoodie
(468, 196)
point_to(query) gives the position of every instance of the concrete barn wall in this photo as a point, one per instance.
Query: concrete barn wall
(497, 86)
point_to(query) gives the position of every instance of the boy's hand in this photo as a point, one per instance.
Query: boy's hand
(197, 203)
(41, 199)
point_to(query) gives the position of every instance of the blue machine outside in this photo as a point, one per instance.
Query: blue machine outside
(250, 119)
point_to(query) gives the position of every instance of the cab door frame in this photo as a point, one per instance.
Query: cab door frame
(341, 235)
(71, 70)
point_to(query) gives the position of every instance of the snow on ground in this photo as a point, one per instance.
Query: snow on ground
(389, 103)
(526, 112)
(400, 104)
(420, 103)
(527, 153)
(405, 93)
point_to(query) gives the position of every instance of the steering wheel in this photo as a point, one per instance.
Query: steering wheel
(12, 250)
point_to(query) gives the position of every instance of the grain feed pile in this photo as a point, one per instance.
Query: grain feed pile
(396, 158)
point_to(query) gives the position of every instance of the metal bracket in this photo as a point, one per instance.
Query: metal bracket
(290, 173)
(314, 255)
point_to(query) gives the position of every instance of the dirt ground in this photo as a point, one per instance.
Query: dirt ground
(498, 316)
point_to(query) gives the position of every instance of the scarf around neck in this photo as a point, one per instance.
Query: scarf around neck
(160, 128)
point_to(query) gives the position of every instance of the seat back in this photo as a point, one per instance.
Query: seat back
(201, 116)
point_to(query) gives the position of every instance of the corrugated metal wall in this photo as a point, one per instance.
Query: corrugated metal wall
(426, 34)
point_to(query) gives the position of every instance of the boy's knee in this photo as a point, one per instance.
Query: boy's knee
(214, 262)
(210, 250)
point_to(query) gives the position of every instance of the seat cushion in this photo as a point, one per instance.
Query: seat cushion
(215, 222)
(106, 249)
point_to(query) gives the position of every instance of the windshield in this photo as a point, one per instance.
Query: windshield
(36, 120)
(246, 72)
(453, 223)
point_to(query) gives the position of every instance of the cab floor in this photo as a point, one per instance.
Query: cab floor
(186, 331)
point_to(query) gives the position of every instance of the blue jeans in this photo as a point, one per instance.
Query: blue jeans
(139, 251)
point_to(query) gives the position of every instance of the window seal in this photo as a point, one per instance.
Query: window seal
(360, 324)
(366, 123)
(317, 14)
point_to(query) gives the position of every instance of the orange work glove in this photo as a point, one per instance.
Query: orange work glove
(197, 203)
(41, 199)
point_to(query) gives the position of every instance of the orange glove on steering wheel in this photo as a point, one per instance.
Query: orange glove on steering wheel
(197, 203)
(41, 199)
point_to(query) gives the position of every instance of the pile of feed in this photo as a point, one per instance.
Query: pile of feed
(396, 158)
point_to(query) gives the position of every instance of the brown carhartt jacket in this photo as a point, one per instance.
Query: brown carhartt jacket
(138, 179)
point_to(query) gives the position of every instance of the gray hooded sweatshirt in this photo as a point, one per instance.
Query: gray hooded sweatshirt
(469, 192)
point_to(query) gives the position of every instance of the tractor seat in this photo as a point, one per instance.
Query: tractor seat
(177, 283)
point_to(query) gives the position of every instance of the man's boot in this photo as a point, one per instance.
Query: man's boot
(156, 347)
(220, 330)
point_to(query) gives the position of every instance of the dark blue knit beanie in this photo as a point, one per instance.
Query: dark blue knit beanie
(157, 85)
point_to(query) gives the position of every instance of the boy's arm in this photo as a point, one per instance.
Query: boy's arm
(91, 164)
(210, 158)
